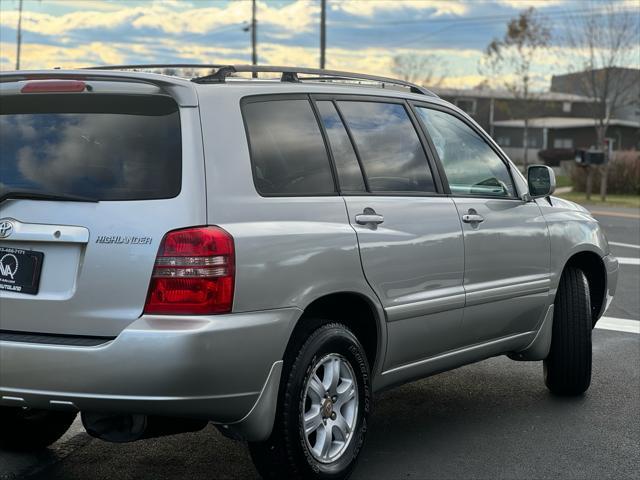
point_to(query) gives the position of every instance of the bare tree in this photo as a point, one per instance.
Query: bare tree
(596, 45)
(511, 58)
(427, 70)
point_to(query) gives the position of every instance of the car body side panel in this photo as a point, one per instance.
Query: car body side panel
(414, 261)
(573, 230)
(506, 276)
(289, 250)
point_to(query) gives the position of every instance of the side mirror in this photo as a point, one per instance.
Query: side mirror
(541, 181)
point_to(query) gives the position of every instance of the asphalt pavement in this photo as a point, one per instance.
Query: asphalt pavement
(494, 419)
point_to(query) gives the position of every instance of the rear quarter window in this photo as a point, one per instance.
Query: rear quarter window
(288, 153)
(107, 147)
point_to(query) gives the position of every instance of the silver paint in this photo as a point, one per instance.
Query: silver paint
(445, 292)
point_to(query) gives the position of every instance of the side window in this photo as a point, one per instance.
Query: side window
(472, 167)
(390, 150)
(287, 150)
(349, 173)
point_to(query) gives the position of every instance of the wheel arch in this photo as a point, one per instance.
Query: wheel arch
(361, 314)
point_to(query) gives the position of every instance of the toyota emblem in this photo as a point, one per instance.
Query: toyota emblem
(6, 228)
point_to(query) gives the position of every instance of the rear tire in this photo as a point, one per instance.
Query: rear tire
(343, 406)
(567, 368)
(24, 429)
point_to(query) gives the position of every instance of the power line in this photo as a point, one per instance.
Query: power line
(488, 18)
(455, 24)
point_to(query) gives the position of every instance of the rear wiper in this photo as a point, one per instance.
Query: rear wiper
(27, 194)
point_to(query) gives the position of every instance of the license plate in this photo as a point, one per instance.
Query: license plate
(20, 270)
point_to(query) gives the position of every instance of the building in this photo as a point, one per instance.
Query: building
(490, 107)
(624, 80)
(565, 132)
(561, 118)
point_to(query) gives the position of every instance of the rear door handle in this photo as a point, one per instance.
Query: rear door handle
(369, 217)
(472, 218)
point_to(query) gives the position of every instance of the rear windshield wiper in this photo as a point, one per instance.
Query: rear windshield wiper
(27, 194)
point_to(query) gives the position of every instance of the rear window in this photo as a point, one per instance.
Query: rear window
(287, 150)
(107, 147)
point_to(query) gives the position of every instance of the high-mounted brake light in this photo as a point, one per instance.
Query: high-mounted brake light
(54, 86)
(194, 273)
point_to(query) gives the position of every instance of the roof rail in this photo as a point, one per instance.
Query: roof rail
(154, 65)
(288, 74)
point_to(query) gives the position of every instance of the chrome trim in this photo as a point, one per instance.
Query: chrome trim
(36, 232)
(426, 307)
(476, 295)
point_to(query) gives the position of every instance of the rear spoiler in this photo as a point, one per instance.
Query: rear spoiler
(182, 91)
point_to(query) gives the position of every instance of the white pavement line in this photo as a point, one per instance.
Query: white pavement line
(619, 324)
(626, 245)
(628, 261)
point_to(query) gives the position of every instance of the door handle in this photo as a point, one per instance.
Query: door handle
(472, 218)
(369, 217)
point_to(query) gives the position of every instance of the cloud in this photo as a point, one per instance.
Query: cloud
(98, 5)
(366, 60)
(522, 4)
(370, 8)
(43, 56)
(169, 17)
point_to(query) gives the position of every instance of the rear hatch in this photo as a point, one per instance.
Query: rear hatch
(90, 181)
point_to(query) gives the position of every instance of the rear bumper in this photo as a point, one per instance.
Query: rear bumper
(201, 367)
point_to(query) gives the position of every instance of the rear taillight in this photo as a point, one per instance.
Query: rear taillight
(193, 273)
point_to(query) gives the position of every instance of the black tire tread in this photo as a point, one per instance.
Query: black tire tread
(568, 366)
(275, 459)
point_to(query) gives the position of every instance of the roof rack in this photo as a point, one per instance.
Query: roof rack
(288, 74)
(155, 65)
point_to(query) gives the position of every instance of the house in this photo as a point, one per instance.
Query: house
(624, 80)
(489, 107)
(565, 132)
(561, 118)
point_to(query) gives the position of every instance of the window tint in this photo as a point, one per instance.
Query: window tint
(106, 147)
(389, 147)
(287, 150)
(472, 167)
(345, 158)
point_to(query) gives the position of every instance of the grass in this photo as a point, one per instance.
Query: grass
(629, 201)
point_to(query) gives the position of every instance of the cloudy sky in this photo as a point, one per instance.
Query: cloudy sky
(361, 35)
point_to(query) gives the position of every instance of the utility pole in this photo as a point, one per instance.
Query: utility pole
(254, 47)
(19, 36)
(323, 31)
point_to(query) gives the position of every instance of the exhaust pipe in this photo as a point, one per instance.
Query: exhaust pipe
(123, 428)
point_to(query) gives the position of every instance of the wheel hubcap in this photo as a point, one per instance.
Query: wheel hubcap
(330, 408)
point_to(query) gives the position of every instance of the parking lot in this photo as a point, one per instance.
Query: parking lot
(494, 419)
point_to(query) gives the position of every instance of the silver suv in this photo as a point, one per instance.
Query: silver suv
(266, 254)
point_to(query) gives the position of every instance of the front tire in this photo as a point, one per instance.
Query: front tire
(567, 368)
(323, 409)
(24, 429)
